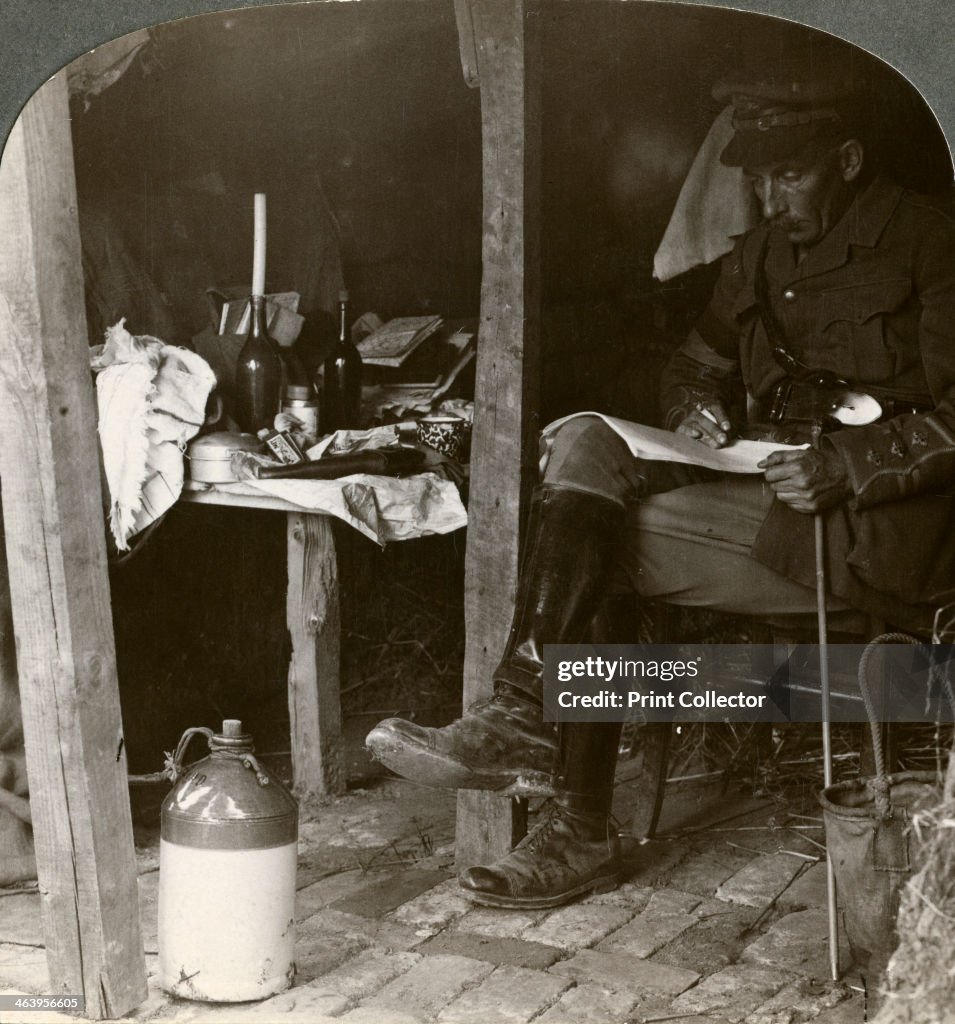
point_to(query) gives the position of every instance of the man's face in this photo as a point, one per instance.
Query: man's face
(803, 196)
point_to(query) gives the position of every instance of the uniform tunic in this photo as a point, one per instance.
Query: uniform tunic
(873, 302)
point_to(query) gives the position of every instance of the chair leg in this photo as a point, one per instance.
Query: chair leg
(644, 750)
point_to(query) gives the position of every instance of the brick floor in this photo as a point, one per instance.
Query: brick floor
(431, 984)
(793, 944)
(702, 873)
(851, 1012)
(514, 952)
(701, 933)
(590, 1003)
(808, 890)
(578, 925)
(762, 880)
(496, 924)
(434, 909)
(803, 999)
(351, 927)
(666, 915)
(320, 950)
(340, 989)
(734, 992)
(317, 895)
(509, 995)
(619, 972)
(149, 909)
(374, 1015)
(713, 942)
(386, 894)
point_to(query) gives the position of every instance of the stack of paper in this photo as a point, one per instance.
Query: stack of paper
(644, 442)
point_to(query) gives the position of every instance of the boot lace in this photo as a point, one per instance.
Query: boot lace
(545, 828)
(504, 702)
(484, 702)
(551, 817)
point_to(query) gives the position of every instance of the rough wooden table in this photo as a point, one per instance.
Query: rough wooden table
(314, 687)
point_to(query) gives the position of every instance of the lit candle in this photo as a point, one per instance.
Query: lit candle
(258, 251)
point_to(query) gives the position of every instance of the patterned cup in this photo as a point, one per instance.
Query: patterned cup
(445, 434)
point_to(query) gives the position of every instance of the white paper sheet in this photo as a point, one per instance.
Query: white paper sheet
(665, 446)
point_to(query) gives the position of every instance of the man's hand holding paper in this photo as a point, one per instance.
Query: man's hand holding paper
(708, 423)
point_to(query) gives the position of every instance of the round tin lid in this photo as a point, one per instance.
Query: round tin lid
(299, 393)
(221, 444)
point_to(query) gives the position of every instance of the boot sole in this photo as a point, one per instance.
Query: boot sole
(606, 883)
(426, 767)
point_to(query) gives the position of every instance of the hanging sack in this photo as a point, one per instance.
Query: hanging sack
(870, 841)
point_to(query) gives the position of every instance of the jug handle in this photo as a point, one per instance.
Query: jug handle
(173, 763)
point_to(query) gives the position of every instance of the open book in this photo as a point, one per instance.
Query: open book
(394, 341)
(664, 445)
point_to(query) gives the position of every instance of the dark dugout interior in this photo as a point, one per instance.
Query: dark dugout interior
(356, 120)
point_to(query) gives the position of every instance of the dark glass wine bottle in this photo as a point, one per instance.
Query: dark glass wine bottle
(340, 404)
(258, 374)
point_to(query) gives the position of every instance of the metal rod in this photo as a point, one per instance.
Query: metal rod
(831, 902)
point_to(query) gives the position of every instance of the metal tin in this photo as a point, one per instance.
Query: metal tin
(228, 801)
(209, 458)
(300, 401)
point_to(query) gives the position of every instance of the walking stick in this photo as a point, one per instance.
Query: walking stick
(831, 905)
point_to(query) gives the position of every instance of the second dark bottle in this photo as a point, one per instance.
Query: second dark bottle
(340, 405)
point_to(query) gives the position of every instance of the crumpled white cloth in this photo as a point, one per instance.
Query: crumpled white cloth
(151, 398)
(383, 508)
(715, 206)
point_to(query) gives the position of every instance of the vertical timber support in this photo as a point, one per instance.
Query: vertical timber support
(504, 445)
(314, 691)
(56, 552)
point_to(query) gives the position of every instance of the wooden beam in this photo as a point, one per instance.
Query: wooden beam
(16, 820)
(504, 443)
(56, 552)
(314, 694)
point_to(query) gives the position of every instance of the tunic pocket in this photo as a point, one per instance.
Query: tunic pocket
(854, 321)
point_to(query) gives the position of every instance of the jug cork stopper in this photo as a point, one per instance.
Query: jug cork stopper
(232, 728)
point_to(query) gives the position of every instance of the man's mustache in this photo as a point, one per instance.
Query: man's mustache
(784, 224)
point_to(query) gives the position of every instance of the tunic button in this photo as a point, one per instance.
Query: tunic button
(789, 295)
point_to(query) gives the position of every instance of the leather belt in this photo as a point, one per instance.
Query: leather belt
(900, 406)
(795, 401)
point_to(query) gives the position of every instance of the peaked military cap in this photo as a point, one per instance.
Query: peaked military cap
(781, 107)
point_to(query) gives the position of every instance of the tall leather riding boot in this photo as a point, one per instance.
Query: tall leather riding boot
(502, 743)
(574, 850)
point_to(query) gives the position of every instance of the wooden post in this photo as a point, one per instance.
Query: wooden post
(314, 697)
(16, 837)
(504, 444)
(56, 552)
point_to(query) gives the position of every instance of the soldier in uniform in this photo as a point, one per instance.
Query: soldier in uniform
(847, 285)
